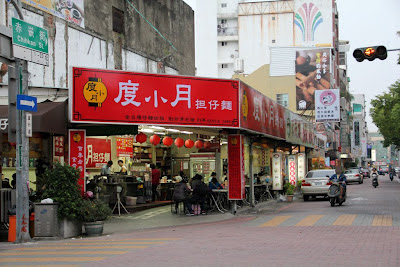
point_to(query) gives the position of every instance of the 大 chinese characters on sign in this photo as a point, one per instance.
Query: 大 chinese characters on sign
(120, 97)
(236, 167)
(98, 152)
(327, 105)
(312, 74)
(77, 152)
(261, 114)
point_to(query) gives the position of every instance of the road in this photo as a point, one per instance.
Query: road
(362, 232)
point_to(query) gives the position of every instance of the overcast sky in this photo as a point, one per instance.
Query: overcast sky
(368, 23)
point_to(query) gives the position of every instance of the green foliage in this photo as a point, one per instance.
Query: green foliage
(385, 113)
(289, 188)
(61, 185)
(95, 210)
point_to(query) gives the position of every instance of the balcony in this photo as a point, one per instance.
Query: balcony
(224, 30)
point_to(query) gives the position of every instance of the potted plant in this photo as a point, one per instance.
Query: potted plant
(61, 185)
(289, 191)
(93, 213)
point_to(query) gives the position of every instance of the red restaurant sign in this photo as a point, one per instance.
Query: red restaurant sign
(236, 179)
(77, 152)
(261, 114)
(124, 147)
(98, 152)
(58, 146)
(120, 97)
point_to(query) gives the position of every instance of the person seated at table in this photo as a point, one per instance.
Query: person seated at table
(181, 194)
(214, 184)
(200, 192)
(213, 175)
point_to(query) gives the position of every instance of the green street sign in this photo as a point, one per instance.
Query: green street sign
(30, 36)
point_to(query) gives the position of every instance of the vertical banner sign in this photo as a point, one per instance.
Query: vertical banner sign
(292, 162)
(301, 167)
(236, 167)
(77, 152)
(327, 105)
(277, 171)
(124, 147)
(58, 142)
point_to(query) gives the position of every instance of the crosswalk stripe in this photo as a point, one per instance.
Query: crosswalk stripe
(275, 221)
(382, 220)
(345, 219)
(309, 220)
(58, 259)
(99, 252)
(116, 243)
(129, 239)
(80, 247)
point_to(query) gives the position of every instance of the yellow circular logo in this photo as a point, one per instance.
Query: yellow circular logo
(77, 137)
(95, 92)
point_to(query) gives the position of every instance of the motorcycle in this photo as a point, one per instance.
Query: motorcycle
(334, 194)
(391, 176)
(374, 180)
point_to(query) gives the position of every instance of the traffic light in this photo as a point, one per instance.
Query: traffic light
(370, 53)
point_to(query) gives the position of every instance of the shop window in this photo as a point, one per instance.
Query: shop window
(118, 20)
(282, 99)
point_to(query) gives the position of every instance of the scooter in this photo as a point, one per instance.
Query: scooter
(334, 194)
(391, 176)
(374, 180)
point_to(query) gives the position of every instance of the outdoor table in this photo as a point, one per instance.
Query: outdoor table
(221, 200)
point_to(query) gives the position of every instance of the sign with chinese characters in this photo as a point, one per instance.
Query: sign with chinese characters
(312, 74)
(277, 171)
(124, 147)
(77, 152)
(261, 114)
(69, 10)
(292, 165)
(327, 105)
(236, 179)
(58, 146)
(298, 130)
(98, 152)
(301, 167)
(120, 97)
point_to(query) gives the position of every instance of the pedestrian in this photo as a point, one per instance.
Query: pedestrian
(106, 169)
(155, 180)
(123, 169)
(181, 194)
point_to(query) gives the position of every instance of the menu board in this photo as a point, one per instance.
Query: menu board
(98, 152)
(124, 147)
(277, 171)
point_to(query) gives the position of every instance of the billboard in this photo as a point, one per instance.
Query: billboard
(69, 10)
(312, 74)
(327, 105)
(121, 97)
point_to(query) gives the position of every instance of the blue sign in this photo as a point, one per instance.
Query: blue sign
(26, 102)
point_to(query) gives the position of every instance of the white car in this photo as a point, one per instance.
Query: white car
(316, 183)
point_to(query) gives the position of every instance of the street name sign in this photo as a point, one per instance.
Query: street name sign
(28, 127)
(26, 102)
(30, 42)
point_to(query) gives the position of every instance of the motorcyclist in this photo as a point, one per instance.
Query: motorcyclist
(374, 175)
(342, 182)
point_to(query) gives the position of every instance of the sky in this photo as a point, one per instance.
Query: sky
(368, 23)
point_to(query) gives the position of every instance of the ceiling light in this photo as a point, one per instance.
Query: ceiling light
(157, 127)
(173, 130)
(147, 130)
(159, 133)
(186, 132)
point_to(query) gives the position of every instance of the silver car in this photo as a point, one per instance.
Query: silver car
(315, 183)
(353, 175)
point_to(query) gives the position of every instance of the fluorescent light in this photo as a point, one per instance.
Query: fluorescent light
(147, 130)
(186, 132)
(173, 130)
(159, 133)
(157, 127)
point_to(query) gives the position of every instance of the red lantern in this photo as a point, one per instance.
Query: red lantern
(155, 139)
(198, 144)
(167, 141)
(141, 138)
(207, 144)
(179, 142)
(189, 143)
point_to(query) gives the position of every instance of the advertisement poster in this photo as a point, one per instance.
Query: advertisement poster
(236, 167)
(312, 74)
(298, 130)
(69, 10)
(124, 147)
(77, 152)
(58, 146)
(260, 113)
(327, 105)
(301, 167)
(120, 97)
(277, 171)
(292, 163)
(98, 152)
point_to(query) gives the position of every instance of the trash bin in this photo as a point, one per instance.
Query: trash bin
(12, 228)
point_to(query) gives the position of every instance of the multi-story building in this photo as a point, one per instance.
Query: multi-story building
(359, 136)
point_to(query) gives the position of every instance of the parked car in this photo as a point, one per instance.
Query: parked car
(383, 169)
(365, 173)
(397, 169)
(315, 183)
(353, 175)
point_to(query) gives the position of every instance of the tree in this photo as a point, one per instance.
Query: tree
(385, 113)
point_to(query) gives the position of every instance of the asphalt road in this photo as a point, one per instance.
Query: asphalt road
(362, 232)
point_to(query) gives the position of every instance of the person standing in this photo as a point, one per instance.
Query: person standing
(106, 169)
(123, 169)
(155, 180)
